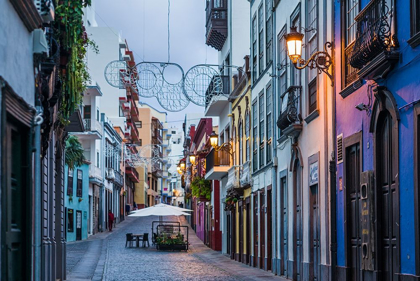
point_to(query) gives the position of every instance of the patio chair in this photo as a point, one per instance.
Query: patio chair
(129, 239)
(146, 239)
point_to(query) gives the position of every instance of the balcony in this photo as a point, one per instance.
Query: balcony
(245, 179)
(134, 112)
(157, 170)
(132, 174)
(217, 164)
(374, 53)
(95, 175)
(93, 129)
(119, 179)
(216, 23)
(217, 95)
(125, 106)
(290, 120)
(234, 175)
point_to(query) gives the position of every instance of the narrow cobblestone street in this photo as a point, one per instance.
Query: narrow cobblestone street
(105, 257)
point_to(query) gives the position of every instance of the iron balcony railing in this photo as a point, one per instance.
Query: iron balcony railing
(219, 85)
(217, 158)
(119, 178)
(92, 125)
(373, 33)
(291, 107)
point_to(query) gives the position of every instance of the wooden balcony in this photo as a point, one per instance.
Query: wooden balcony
(290, 120)
(216, 23)
(374, 53)
(132, 174)
(217, 164)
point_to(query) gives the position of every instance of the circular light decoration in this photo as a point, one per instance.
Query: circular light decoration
(173, 98)
(201, 83)
(117, 73)
(150, 79)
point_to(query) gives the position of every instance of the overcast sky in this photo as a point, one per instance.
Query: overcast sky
(144, 24)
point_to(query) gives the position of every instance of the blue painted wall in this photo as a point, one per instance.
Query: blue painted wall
(404, 84)
(75, 204)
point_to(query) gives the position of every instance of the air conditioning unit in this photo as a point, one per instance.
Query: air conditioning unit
(110, 174)
(45, 9)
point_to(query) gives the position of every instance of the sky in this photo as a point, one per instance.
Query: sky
(144, 24)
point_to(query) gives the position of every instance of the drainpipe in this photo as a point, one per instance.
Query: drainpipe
(274, 144)
(38, 120)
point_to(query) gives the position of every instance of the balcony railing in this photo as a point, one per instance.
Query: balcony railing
(234, 175)
(119, 178)
(132, 174)
(373, 33)
(245, 179)
(217, 158)
(216, 23)
(92, 125)
(219, 85)
(291, 107)
(95, 173)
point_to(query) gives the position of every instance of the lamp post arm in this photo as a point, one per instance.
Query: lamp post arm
(320, 60)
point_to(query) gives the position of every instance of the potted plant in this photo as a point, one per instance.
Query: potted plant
(201, 188)
(80, 199)
(70, 198)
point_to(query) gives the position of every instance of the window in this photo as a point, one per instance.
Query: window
(415, 23)
(79, 190)
(70, 220)
(140, 142)
(269, 31)
(173, 132)
(312, 96)
(261, 39)
(121, 112)
(254, 48)
(282, 58)
(269, 122)
(262, 130)
(70, 182)
(312, 43)
(351, 9)
(240, 133)
(97, 114)
(138, 124)
(247, 132)
(255, 136)
(87, 112)
(97, 159)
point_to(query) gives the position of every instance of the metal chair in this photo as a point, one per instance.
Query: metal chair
(146, 239)
(129, 239)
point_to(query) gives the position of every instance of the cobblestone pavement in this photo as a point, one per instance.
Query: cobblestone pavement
(105, 257)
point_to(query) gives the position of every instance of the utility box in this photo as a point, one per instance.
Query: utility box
(367, 195)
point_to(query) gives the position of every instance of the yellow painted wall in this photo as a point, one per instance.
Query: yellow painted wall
(139, 187)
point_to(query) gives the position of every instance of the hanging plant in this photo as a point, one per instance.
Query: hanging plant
(74, 152)
(74, 44)
(201, 187)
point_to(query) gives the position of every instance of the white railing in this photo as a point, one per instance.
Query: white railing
(233, 177)
(246, 174)
(95, 172)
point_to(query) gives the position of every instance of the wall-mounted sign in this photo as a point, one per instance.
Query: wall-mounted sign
(313, 173)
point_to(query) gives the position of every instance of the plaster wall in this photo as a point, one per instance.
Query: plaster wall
(16, 53)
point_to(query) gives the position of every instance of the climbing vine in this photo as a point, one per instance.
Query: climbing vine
(74, 44)
(201, 188)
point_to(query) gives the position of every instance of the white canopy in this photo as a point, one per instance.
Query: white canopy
(159, 210)
(175, 207)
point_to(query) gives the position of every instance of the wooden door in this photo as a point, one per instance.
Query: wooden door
(241, 231)
(269, 232)
(256, 237)
(233, 233)
(248, 232)
(354, 228)
(228, 233)
(314, 232)
(298, 231)
(262, 229)
(16, 253)
(283, 227)
(388, 200)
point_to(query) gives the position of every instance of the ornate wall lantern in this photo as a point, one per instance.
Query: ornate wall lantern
(192, 159)
(214, 141)
(320, 60)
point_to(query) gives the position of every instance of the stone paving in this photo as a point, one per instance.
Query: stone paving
(105, 257)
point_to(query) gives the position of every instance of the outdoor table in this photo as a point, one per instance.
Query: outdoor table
(138, 236)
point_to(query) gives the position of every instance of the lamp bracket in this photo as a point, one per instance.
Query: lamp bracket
(321, 60)
(225, 147)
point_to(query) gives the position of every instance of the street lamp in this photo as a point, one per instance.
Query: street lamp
(192, 159)
(214, 140)
(182, 165)
(178, 168)
(321, 60)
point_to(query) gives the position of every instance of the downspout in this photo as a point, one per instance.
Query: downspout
(274, 143)
(38, 120)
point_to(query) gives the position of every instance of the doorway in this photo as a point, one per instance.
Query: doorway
(228, 234)
(298, 245)
(241, 231)
(314, 231)
(269, 232)
(78, 225)
(262, 229)
(255, 230)
(283, 226)
(354, 229)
